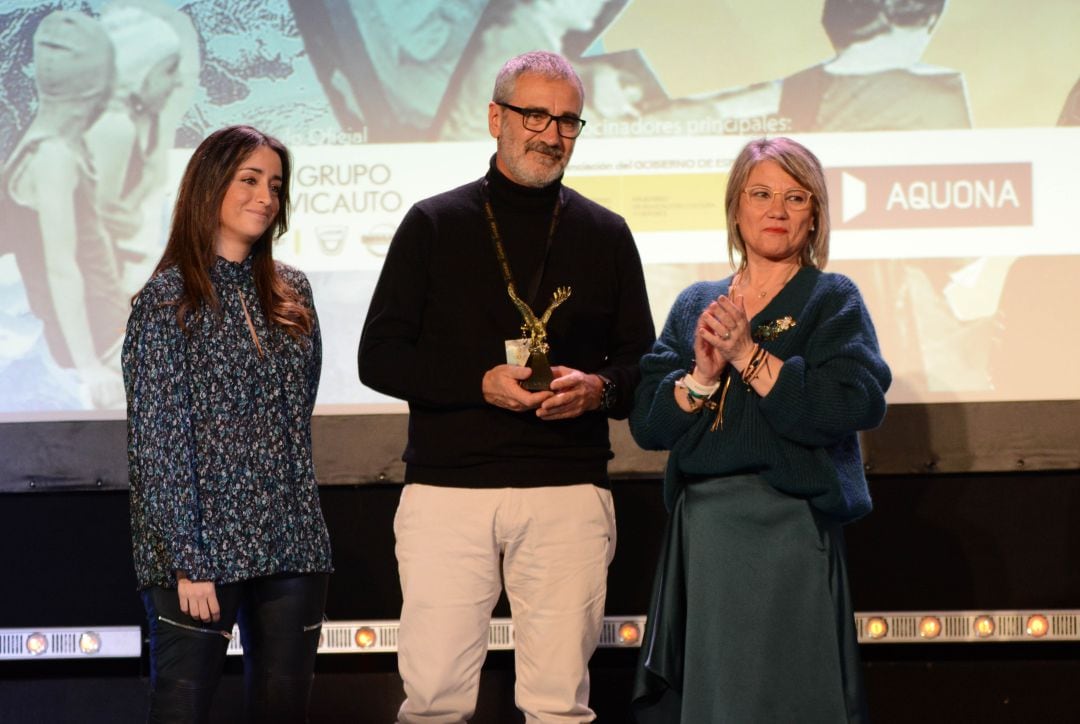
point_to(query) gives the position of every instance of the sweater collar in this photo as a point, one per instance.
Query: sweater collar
(525, 198)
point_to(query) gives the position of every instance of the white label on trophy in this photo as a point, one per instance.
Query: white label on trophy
(517, 351)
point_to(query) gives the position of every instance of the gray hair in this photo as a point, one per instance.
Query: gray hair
(803, 166)
(540, 62)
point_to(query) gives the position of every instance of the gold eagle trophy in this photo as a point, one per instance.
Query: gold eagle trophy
(535, 331)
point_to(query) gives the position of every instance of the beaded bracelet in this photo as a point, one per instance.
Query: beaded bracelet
(696, 394)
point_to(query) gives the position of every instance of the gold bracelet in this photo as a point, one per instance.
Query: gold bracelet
(750, 371)
(761, 361)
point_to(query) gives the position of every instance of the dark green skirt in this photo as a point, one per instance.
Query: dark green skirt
(750, 618)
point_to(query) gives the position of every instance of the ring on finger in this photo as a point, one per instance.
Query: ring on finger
(727, 335)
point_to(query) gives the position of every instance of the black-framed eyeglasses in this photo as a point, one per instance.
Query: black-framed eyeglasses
(537, 121)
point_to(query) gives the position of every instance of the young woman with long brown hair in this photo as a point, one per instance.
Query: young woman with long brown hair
(221, 365)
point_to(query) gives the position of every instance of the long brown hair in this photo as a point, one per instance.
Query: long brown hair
(192, 239)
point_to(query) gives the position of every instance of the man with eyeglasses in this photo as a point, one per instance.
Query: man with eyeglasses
(507, 485)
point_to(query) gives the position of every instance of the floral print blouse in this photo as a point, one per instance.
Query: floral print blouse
(222, 482)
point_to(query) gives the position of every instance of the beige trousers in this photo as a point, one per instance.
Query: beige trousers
(456, 548)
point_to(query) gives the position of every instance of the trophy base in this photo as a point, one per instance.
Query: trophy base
(540, 380)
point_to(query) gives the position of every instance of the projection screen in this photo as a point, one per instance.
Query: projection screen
(948, 131)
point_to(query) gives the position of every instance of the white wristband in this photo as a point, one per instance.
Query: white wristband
(696, 389)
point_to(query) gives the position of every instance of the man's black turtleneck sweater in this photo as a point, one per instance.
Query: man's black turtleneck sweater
(440, 315)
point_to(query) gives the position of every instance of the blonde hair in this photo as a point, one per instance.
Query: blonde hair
(803, 166)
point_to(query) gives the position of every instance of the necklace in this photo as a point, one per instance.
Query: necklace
(761, 293)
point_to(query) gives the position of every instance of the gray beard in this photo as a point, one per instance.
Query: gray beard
(526, 176)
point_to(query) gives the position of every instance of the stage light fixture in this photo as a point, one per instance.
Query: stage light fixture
(37, 644)
(630, 634)
(365, 637)
(984, 626)
(1037, 626)
(877, 627)
(71, 642)
(628, 631)
(89, 643)
(930, 627)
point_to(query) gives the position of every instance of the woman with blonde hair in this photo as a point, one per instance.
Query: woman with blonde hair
(758, 386)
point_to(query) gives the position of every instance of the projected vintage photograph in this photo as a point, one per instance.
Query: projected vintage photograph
(948, 164)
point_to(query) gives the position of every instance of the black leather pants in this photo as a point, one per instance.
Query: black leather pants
(280, 618)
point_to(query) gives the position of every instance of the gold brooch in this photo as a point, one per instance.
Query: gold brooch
(773, 329)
